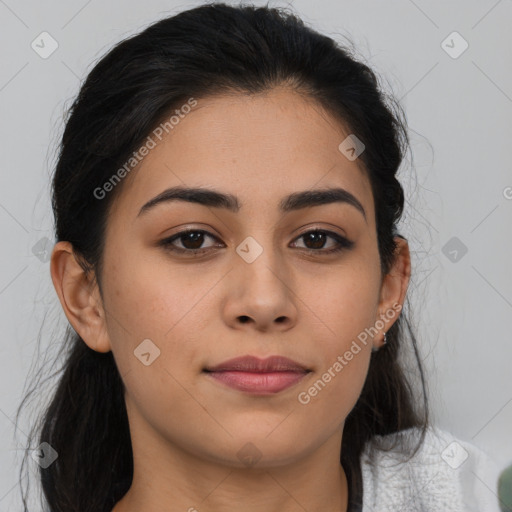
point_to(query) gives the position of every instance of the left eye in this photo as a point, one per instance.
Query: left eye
(318, 237)
(192, 240)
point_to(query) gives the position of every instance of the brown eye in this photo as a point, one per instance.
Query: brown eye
(315, 241)
(191, 241)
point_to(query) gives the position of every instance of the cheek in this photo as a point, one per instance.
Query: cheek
(145, 301)
(160, 304)
(150, 299)
(347, 311)
(344, 309)
(344, 302)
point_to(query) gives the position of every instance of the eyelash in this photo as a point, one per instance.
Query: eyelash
(343, 243)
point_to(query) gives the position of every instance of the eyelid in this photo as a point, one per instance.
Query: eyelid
(310, 228)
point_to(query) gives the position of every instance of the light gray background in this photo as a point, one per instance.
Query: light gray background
(459, 112)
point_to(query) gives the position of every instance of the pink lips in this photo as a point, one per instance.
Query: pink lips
(258, 376)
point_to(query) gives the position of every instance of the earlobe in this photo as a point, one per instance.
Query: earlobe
(79, 297)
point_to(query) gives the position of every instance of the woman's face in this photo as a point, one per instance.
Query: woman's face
(253, 288)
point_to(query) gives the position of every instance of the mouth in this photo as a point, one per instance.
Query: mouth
(258, 376)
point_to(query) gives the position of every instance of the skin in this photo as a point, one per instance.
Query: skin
(187, 429)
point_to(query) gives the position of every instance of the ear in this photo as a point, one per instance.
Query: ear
(394, 287)
(79, 296)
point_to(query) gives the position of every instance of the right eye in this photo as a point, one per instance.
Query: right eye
(190, 239)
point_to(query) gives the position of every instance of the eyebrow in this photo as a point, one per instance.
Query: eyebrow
(215, 199)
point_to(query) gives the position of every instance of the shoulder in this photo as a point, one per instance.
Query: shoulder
(445, 474)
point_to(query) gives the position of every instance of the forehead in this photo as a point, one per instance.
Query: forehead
(257, 147)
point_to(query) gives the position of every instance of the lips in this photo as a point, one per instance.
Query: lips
(255, 365)
(258, 376)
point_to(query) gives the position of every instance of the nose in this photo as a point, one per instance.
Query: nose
(260, 295)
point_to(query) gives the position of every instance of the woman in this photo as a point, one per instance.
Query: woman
(227, 255)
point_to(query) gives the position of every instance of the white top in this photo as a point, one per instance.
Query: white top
(445, 475)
